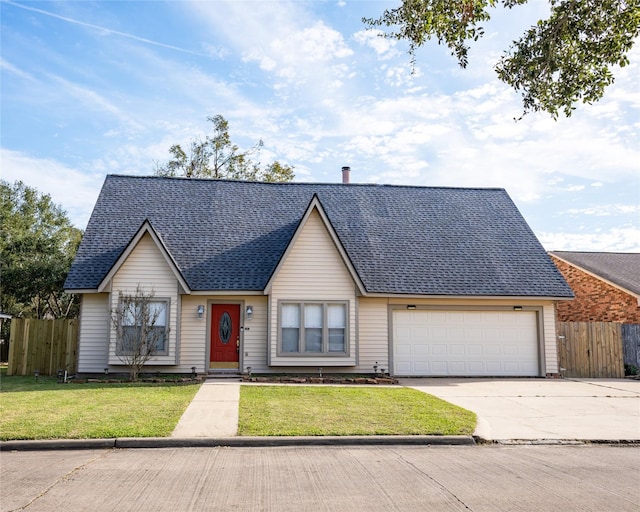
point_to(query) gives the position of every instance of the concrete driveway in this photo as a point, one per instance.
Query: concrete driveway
(569, 409)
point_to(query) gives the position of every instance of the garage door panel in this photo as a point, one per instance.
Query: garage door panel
(475, 367)
(403, 349)
(420, 350)
(439, 349)
(465, 343)
(456, 350)
(475, 350)
(403, 368)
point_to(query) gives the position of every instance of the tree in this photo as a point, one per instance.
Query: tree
(139, 323)
(37, 245)
(560, 61)
(217, 157)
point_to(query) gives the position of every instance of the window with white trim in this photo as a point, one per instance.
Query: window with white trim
(144, 323)
(313, 328)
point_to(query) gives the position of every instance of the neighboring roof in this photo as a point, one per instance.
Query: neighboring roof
(230, 235)
(619, 268)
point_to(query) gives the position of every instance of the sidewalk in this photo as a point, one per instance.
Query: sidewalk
(213, 412)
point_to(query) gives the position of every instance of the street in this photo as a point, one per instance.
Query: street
(363, 478)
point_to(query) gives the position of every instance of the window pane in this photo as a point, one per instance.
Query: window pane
(129, 313)
(336, 315)
(157, 336)
(130, 340)
(290, 339)
(290, 315)
(313, 315)
(158, 312)
(336, 340)
(313, 339)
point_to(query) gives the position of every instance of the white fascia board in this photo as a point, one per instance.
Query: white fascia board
(315, 205)
(144, 229)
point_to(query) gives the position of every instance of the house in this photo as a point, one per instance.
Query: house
(293, 277)
(606, 286)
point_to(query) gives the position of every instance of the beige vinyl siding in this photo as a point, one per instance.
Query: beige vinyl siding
(313, 271)
(94, 333)
(254, 337)
(373, 342)
(147, 267)
(550, 346)
(194, 332)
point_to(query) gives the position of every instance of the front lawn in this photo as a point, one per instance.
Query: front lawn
(343, 410)
(48, 410)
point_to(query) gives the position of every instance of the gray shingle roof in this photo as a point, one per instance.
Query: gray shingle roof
(230, 235)
(622, 269)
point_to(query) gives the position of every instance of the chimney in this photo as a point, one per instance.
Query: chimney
(346, 171)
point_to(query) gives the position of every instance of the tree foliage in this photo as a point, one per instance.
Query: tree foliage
(218, 158)
(37, 245)
(560, 61)
(135, 322)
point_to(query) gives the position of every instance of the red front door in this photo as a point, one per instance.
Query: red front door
(225, 336)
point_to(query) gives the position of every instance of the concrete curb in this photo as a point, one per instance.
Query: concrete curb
(210, 442)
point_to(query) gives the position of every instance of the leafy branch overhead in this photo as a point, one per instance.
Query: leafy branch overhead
(559, 62)
(218, 158)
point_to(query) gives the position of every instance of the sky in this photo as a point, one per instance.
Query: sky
(91, 88)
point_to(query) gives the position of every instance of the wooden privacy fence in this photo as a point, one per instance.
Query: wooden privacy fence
(631, 344)
(590, 349)
(45, 346)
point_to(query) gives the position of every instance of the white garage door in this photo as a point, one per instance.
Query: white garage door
(465, 343)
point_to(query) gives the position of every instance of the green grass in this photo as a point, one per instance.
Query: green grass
(48, 410)
(342, 411)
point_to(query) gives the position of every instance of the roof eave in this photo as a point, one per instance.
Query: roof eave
(468, 297)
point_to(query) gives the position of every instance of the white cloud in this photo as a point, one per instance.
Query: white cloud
(294, 53)
(399, 76)
(623, 239)
(216, 51)
(7, 66)
(75, 189)
(385, 48)
(91, 100)
(606, 210)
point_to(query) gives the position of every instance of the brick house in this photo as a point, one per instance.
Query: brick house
(606, 286)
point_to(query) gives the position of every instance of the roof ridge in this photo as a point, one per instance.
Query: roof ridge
(305, 183)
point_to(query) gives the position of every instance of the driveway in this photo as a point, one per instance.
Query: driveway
(585, 409)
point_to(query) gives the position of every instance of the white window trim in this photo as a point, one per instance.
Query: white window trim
(325, 329)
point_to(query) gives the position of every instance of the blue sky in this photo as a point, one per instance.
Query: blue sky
(96, 88)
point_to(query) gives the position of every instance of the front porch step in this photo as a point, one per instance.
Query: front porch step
(223, 374)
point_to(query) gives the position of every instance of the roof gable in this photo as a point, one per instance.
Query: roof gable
(621, 270)
(316, 206)
(231, 235)
(145, 229)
